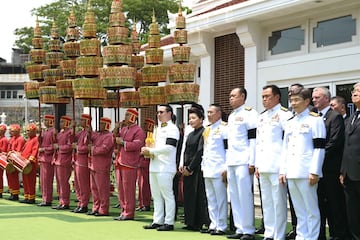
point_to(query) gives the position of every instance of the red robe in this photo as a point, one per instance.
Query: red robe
(30, 152)
(47, 169)
(16, 143)
(100, 163)
(3, 149)
(129, 160)
(82, 171)
(63, 165)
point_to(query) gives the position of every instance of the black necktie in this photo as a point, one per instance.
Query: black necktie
(356, 116)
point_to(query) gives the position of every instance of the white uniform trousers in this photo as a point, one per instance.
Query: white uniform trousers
(274, 204)
(216, 195)
(161, 185)
(241, 198)
(305, 201)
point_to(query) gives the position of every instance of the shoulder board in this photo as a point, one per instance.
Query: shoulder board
(263, 111)
(284, 109)
(314, 114)
(223, 123)
(248, 108)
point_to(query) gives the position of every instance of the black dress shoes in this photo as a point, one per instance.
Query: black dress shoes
(14, 197)
(291, 235)
(30, 201)
(61, 207)
(144, 209)
(191, 228)
(92, 213)
(123, 218)
(75, 209)
(261, 230)
(248, 237)
(166, 227)
(100, 214)
(209, 231)
(44, 204)
(268, 239)
(23, 201)
(152, 226)
(0, 195)
(218, 233)
(235, 236)
(82, 210)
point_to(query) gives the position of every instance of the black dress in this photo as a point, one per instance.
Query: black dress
(195, 203)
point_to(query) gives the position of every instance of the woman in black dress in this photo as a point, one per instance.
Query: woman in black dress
(195, 203)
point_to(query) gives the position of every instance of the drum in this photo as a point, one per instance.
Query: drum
(4, 165)
(20, 163)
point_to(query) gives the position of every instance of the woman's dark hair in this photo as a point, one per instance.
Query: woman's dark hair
(198, 112)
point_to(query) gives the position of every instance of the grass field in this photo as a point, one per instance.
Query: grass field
(30, 222)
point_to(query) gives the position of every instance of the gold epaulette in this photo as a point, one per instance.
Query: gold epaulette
(248, 108)
(223, 123)
(314, 114)
(284, 109)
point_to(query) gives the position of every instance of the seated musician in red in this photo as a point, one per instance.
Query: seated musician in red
(3, 149)
(16, 144)
(30, 152)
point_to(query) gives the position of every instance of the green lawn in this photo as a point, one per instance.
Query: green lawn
(29, 222)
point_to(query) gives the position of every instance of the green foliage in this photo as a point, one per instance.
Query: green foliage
(140, 10)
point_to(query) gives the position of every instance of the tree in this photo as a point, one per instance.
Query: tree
(140, 10)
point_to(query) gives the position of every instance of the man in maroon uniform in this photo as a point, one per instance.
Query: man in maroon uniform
(46, 157)
(3, 150)
(82, 171)
(30, 152)
(63, 162)
(144, 196)
(131, 138)
(101, 151)
(16, 144)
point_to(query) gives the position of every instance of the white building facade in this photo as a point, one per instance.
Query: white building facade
(312, 42)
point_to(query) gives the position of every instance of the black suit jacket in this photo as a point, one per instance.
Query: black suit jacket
(335, 135)
(350, 166)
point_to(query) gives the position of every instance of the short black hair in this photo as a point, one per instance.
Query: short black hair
(274, 89)
(168, 107)
(242, 90)
(198, 112)
(304, 93)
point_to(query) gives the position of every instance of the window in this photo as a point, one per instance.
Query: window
(14, 94)
(334, 31)
(286, 40)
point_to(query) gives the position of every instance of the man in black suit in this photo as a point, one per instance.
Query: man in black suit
(337, 103)
(350, 167)
(330, 192)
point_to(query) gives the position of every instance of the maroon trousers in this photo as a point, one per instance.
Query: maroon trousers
(144, 193)
(47, 171)
(100, 190)
(82, 183)
(127, 190)
(63, 173)
(13, 182)
(29, 181)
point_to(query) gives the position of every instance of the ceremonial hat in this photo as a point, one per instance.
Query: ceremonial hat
(107, 121)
